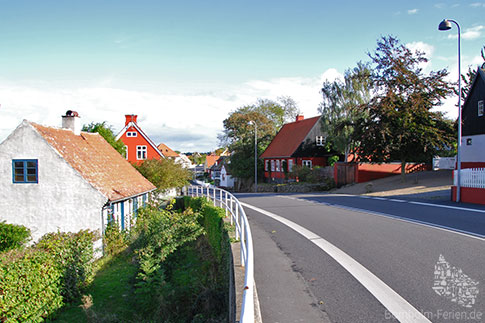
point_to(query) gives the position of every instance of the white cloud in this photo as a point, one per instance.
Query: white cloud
(184, 122)
(477, 4)
(470, 33)
(413, 11)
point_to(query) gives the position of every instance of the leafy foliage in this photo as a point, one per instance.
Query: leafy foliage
(74, 255)
(114, 239)
(338, 108)
(107, 133)
(164, 173)
(398, 123)
(13, 236)
(160, 233)
(39, 280)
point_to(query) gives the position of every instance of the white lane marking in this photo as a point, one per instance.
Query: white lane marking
(423, 203)
(395, 303)
(431, 225)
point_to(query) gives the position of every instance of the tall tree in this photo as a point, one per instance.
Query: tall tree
(107, 133)
(164, 173)
(339, 107)
(238, 134)
(398, 123)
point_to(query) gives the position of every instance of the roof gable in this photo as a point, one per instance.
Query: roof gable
(97, 162)
(132, 124)
(473, 124)
(289, 138)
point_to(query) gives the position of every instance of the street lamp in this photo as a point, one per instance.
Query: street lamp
(255, 154)
(446, 25)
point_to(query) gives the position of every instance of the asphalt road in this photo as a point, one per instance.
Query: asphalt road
(402, 254)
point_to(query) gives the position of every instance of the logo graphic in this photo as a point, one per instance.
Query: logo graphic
(451, 283)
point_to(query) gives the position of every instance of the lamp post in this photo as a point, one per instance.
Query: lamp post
(255, 154)
(446, 25)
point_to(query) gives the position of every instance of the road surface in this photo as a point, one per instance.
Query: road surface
(359, 259)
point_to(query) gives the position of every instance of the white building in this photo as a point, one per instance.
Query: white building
(64, 179)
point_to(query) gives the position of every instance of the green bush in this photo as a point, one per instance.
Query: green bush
(13, 236)
(114, 239)
(159, 234)
(29, 288)
(74, 256)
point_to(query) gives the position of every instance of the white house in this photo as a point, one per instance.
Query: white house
(64, 179)
(226, 178)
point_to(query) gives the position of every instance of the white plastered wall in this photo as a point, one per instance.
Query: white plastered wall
(61, 200)
(475, 151)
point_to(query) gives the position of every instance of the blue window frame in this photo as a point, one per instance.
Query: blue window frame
(25, 171)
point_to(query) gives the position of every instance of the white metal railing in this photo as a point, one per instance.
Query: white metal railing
(470, 177)
(226, 200)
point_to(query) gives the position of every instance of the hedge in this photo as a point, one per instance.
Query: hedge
(13, 236)
(39, 280)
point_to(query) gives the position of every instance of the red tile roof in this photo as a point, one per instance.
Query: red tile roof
(290, 136)
(97, 162)
(211, 160)
(166, 151)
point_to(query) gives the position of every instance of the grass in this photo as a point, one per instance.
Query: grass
(110, 296)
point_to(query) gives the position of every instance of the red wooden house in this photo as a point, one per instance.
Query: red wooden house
(297, 143)
(139, 146)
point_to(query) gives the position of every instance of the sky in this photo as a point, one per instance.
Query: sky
(184, 66)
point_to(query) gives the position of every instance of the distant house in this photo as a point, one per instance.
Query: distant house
(473, 141)
(220, 172)
(167, 152)
(181, 159)
(64, 179)
(209, 161)
(301, 142)
(139, 146)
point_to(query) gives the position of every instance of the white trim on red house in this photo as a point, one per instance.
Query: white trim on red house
(138, 129)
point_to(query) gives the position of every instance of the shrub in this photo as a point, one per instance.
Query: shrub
(160, 233)
(74, 254)
(114, 240)
(29, 286)
(13, 236)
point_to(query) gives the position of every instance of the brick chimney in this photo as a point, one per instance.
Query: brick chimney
(130, 118)
(72, 121)
(300, 117)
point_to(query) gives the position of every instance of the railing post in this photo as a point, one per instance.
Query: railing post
(243, 239)
(232, 212)
(215, 200)
(227, 206)
(238, 227)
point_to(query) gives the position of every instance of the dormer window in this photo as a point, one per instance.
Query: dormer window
(480, 108)
(131, 134)
(320, 140)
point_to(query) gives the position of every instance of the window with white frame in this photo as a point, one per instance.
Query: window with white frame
(266, 165)
(290, 165)
(272, 165)
(141, 152)
(307, 163)
(277, 165)
(480, 108)
(131, 134)
(320, 140)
